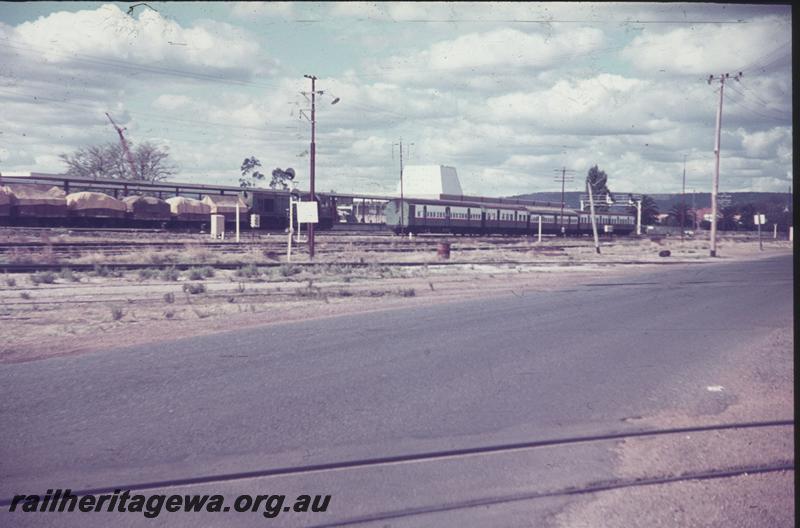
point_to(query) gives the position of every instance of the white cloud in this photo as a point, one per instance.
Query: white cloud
(490, 59)
(263, 9)
(170, 101)
(510, 47)
(371, 10)
(108, 33)
(601, 104)
(764, 144)
(710, 48)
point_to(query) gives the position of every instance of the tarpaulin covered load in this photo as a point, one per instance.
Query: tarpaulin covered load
(95, 204)
(225, 204)
(189, 209)
(148, 207)
(37, 200)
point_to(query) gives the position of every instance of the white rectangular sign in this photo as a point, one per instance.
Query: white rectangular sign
(307, 213)
(759, 219)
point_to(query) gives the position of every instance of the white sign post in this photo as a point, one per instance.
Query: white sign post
(639, 217)
(540, 228)
(237, 220)
(307, 213)
(291, 229)
(758, 220)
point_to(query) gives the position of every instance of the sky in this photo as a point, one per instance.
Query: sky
(508, 93)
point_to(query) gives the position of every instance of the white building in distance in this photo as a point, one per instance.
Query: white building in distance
(429, 181)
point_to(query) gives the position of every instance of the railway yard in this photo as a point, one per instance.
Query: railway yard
(65, 290)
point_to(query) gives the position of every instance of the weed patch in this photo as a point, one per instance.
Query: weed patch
(43, 277)
(194, 288)
(117, 313)
(169, 274)
(250, 271)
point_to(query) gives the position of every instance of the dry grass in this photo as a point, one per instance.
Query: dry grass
(79, 309)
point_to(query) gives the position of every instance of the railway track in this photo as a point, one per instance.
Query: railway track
(31, 268)
(21, 252)
(431, 456)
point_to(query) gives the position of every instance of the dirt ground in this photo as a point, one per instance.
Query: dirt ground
(763, 384)
(48, 314)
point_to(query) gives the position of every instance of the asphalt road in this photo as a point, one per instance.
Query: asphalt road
(527, 367)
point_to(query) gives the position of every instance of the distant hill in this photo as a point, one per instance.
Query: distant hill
(666, 201)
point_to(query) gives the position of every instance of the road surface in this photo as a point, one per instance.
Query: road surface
(222, 413)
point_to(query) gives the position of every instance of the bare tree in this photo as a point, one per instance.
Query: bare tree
(152, 163)
(108, 161)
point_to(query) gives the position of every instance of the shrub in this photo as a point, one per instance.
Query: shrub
(287, 270)
(105, 271)
(169, 274)
(200, 273)
(249, 271)
(100, 271)
(43, 277)
(147, 273)
(194, 274)
(67, 274)
(11, 282)
(169, 298)
(117, 313)
(169, 314)
(158, 258)
(194, 288)
(407, 292)
(25, 295)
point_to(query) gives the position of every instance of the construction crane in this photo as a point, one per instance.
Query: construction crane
(125, 148)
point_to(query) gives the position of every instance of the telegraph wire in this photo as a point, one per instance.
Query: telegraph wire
(746, 105)
(21, 98)
(148, 69)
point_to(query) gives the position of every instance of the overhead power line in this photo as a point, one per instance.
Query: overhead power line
(776, 54)
(748, 105)
(79, 57)
(99, 106)
(89, 59)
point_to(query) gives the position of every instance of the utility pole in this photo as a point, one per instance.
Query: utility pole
(591, 209)
(564, 178)
(125, 148)
(402, 202)
(683, 198)
(313, 156)
(715, 187)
